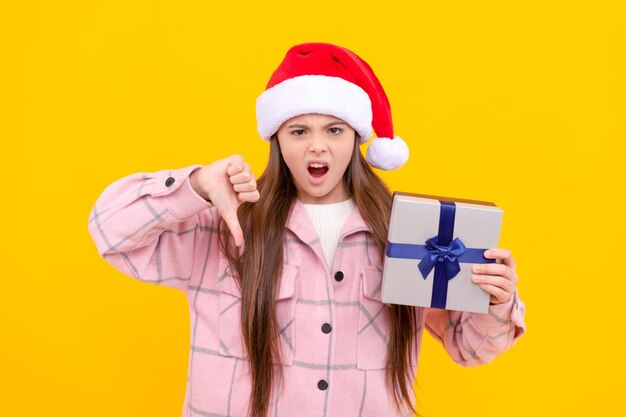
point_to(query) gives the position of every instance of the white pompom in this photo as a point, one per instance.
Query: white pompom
(387, 154)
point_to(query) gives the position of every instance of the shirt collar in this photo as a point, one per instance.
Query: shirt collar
(301, 225)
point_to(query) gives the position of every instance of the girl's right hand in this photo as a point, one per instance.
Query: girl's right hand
(227, 183)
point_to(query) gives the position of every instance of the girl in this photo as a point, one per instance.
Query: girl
(283, 275)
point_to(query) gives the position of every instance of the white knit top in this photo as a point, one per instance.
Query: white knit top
(328, 220)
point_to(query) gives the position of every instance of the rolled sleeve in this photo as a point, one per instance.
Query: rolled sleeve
(473, 339)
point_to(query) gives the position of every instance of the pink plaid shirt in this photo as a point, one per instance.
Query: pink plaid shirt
(333, 330)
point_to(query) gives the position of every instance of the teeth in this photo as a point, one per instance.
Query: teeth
(317, 165)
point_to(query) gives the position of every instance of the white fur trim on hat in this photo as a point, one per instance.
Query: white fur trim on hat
(387, 154)
(314, 94)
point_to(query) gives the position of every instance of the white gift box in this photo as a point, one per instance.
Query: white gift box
(433, 243)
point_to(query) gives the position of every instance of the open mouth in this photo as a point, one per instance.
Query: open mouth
(317, 169)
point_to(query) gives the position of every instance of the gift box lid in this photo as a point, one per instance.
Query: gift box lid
(476, 222)
(440, 198)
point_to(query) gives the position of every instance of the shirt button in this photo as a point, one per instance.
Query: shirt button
(338, 276)
(169, 181)
(326, 328)
(322, 384)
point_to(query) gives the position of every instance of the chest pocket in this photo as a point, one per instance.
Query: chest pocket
(373, 332)
(231, 338)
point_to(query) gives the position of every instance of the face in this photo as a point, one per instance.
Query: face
(317, 148)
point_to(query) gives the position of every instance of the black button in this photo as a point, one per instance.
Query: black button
(169, 181)
(339, 275)
(326, 328)
(322, 384)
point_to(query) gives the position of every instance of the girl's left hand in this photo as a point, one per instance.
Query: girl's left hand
(497, 279)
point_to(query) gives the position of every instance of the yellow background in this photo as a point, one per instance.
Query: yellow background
(525, 99)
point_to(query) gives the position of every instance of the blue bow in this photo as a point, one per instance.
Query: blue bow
(440, 253)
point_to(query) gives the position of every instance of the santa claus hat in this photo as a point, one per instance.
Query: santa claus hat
(328, 79)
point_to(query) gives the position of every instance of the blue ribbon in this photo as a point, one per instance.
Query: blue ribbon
(441, 252)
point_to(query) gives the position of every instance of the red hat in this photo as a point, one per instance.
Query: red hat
(328, 79)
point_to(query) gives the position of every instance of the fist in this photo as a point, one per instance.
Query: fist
(227, 183)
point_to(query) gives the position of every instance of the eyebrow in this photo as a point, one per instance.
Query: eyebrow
(327, 125)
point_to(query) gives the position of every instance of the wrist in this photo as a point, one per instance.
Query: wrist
(196, 185)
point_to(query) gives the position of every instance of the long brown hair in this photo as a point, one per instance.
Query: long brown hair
(259, 268)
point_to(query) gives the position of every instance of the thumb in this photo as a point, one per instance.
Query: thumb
(232, 221)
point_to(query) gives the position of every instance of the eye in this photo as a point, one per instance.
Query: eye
(298, 132)
(336, 130)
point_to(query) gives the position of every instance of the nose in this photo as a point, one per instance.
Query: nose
(317, 144)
